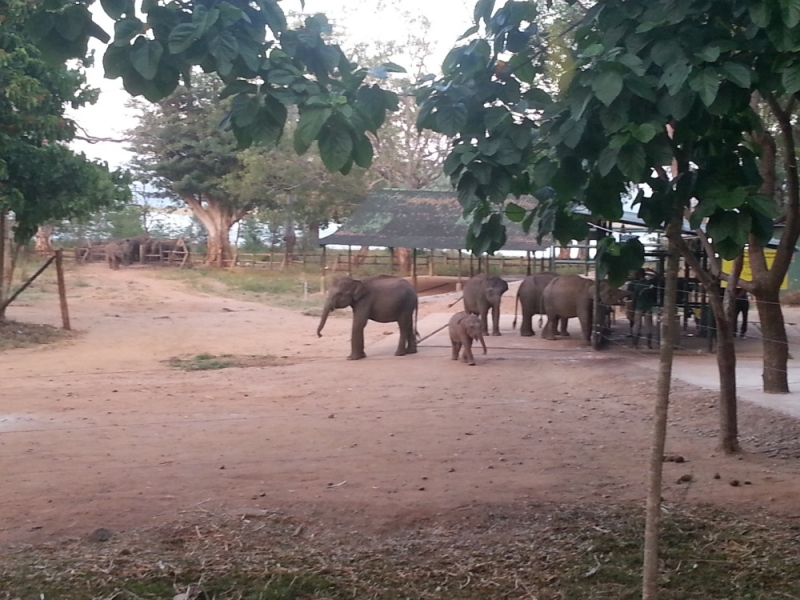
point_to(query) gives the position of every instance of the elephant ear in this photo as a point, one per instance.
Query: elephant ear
(359, 290)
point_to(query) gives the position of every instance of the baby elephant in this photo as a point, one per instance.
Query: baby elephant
(464, 328)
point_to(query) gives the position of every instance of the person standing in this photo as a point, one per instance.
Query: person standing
(644, 299)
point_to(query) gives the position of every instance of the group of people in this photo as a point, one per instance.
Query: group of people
(644, 304)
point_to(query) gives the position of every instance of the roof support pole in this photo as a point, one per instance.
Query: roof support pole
(391, 260)
(459, 287)
(349, 261)
(471, 265)
(414, 268)
(430, 263)
(529, 262)
(322, 264)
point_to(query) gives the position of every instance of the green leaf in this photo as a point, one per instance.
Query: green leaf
(644, 132)
(239, 86)
(451, 120)
(763, 205)
(730, 199)
(116, 8)
(631, 161)
(607, 160)
(125, 30)
(737, 73)
(607, 85)
(677, 106)
(515, 213)
(451, 164)
(706, 84)
(674, 76)
(204, 18)
(363, 152)
(496, 115)
(709, 53)
(790, 11)
(182, 37)
(309, 127)
(592, 51)
(145, 56)
(760, 13)
(791, 78)
(274, 16)
(468, 33)
(483, 10)
(335, 145)
(72, 22)
(225, 48)
(704, 209)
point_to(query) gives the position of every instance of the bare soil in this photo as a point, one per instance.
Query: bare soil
(99, 431)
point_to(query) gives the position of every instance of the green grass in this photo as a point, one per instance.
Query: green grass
(211, 362)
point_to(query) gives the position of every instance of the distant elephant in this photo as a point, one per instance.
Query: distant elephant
(481, 293)
(568, 296)
(381, 298)
(529, 296)
(464, 329)
(138, 246)
(115, 253)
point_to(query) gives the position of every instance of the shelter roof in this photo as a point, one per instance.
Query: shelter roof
(417, 219)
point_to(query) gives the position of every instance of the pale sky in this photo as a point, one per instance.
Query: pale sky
(364, 21)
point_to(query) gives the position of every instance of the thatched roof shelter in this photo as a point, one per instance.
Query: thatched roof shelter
(416, 219)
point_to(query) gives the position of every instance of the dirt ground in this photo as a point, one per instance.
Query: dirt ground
(98, 431)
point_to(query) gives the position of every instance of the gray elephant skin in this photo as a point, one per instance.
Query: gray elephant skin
(569, 296)
(465, 328)
(383, 299)
(484, 292)
(117, 253)
(529, 298)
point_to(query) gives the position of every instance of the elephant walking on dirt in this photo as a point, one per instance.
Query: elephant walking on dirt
(382, 299)
(465, 328)
(529, 297)
(481, 293)
(569, 296)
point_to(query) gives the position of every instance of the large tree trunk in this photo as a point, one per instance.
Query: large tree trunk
(669, 334)
(217, 220)
(775, 342)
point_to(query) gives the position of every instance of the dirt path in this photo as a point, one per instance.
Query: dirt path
(99, 432)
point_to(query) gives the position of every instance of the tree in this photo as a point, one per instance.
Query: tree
(654, 84)
(267, 66)
(182, 154)
(41, 180)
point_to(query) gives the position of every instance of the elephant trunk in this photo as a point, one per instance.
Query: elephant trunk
(325, 312)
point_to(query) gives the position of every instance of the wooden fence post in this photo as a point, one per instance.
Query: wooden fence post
(414, 268)
(323, 263)
(62, 289)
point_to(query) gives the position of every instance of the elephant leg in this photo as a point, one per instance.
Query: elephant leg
(585, 319)
(563, 322)
(357, 338)
(496, 319)
(485, 320)
(411, 337)
(548, 332)
(468, 350)
(526, 328)
(456, 349)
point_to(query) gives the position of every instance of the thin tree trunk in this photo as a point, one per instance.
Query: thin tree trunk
(775, 343)
(3, 266)
(668, 335)
(42, 243)
(726, 365)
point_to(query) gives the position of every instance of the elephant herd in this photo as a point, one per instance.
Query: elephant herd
(387, 299)
(134, 249)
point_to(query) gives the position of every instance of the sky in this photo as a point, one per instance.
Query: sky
(363, 20)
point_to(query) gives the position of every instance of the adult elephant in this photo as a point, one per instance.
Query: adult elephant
(381, 298)
(481, 293)
(529, 297)
(568, 296)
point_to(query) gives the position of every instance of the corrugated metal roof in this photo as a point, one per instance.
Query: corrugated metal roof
(417, 219)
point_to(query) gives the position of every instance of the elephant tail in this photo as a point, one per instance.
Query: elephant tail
(416, 315)
(541, 310)
(516, 304)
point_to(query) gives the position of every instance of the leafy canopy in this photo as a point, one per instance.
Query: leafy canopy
(266, 64)
(650, 83)
(40, 178)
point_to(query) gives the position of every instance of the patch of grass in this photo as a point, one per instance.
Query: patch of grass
(210, 362)
(549, 552)
(14, 334)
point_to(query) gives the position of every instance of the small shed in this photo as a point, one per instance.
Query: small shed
(417, 219)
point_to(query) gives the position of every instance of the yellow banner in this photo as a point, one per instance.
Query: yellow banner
(747, 274)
